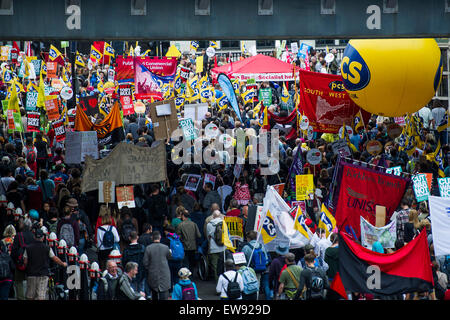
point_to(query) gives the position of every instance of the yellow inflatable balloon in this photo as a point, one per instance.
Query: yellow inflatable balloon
(392, 77)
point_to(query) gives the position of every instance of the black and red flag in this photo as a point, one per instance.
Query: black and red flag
(406, 270)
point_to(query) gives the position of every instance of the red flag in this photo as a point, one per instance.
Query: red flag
(338, 287)
(14, 52)
(406, 270)
(215, 61)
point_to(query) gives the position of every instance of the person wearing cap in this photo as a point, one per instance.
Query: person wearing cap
(184, 285)
(228, 276)
(37, 257)
(277, 265)
(318, 260)
(289, 278)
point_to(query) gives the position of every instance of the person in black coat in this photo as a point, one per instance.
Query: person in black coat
(156, 206)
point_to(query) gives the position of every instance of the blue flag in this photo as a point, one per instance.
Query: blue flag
(228, 89)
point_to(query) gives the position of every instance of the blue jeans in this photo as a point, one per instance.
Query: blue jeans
(265, 285)
(5, 286)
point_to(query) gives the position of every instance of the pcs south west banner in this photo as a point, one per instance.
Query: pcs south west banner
(325, 102)
(162, 67)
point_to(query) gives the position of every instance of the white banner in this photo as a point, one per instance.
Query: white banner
(440, 224)
(385, 235)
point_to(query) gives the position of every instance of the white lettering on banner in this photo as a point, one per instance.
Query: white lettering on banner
(34, 122)
(125, 91)
(73, 22)
(374, 20)
(58, 130)
(374, 280)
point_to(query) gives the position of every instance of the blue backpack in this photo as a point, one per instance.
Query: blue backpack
(251, 284)
(259, 260)
(176, 246)
(108, 238)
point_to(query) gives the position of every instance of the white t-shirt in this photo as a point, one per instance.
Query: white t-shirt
(426, 115)
(222, 283)
(100, 234)
(438, 114)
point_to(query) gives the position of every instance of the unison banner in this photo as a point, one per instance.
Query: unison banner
(162, 67)
(325, 102)
(361, 190)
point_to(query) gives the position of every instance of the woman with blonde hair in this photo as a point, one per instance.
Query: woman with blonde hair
(8, 237)
(105, 241)
(22, 167)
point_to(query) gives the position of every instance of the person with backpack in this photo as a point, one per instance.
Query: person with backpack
(30, 153)
(289, 278)
(107, 239)
(173, 241)
(135, 252)
(22, 239)
(313, 282)
(68, 229)
(216, 246)
(125, 290)
(190, 235)
(156, 206)
(126, 225)
(6, 272)
(185, 289)
(52, 222)
(230, 284)
(259, 259)
(251, 283)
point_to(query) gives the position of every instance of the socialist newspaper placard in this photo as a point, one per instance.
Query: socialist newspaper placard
(385, 235)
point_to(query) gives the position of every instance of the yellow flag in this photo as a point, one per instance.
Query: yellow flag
(300, 224)
(41, 93)
(13, 103)
(108, 50)
(79, 60)
(326, 221)
(53, 53)
(256, 109)
(95, 54)
(268, 231)
(226, 237)
(284, 94)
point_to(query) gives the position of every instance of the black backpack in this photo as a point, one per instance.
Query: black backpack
(5, 270)
(233, 288)
(317, 285)
(127, 228)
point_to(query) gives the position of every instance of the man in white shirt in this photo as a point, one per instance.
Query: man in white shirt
(230, 275)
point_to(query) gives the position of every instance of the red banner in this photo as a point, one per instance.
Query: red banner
(361, 190)
(159, 66)
(325, 102)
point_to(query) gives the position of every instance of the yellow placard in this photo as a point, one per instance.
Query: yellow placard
(235, 227)
(199, 64)
(304, 186)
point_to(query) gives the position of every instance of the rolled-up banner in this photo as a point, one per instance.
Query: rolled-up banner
(228, 89)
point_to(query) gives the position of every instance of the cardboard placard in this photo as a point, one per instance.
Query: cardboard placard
(380, 216)
(163, 126)
(79, 144)
(106, 192)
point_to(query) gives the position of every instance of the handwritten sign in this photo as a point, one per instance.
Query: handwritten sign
(80, 144)
(125, 197)
(235, 227)
(304, 184)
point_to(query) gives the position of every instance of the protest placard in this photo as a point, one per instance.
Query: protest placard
(106, 192)
(235, 227)
(209, 178)
(31, 102)
(420, 186)
(187, 125)
(340, 147)
(395, 170)
(125, 197)
(192, 182)
(33, 121)
(52, 107)
(80, 144)
(444, 187)
(304, 184)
